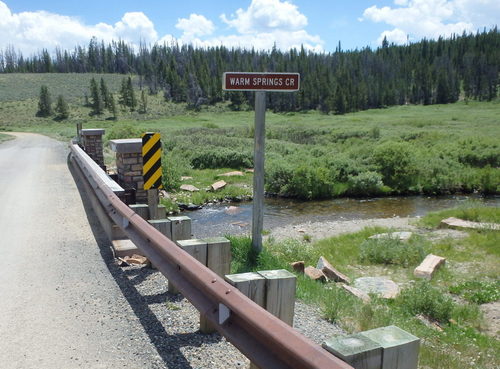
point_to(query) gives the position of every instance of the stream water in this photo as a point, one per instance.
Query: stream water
(236, 218)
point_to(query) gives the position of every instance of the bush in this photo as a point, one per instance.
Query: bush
(221, 158)
(424, 299)
(365, 184)
(396, 164)
(174, 165)
(125, 130)
(390, 251)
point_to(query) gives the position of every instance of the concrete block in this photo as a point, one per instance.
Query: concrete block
(126, 145)
(357, 350)
(399, 348)
(92, 132)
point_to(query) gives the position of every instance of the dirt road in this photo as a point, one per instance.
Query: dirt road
(60, 307)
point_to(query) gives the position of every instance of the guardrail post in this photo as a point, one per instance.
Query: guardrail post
(140, 209)
(196, 248)
(92, 144)
(181, 228)
(280, 293)
(129, 165)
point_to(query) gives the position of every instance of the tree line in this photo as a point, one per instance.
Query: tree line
(427, 72)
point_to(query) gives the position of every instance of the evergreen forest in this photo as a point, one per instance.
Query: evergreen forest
(426, 72)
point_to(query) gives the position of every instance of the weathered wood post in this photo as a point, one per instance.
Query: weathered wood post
(280, 293)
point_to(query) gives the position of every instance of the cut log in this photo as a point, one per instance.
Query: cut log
(330, 272)
(427, 268)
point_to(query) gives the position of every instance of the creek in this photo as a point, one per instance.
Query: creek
(236, 218)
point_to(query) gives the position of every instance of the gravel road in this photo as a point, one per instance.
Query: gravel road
(66, 304)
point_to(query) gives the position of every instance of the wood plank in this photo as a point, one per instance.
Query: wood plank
(280, 293)
(427, 268)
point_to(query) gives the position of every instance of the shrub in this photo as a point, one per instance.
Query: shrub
(396, 164)
(390, 251)
(174, 165)
(424, 299)
(125, 130)
(365, 184)
(214, 158)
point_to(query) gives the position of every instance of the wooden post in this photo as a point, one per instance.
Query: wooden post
(181, 228)
(357, 350)
(197, 249)
(399, 348)
(141, 209)
(258, 175)
(280, 293)
(253, 286)
(219, 261)
(153, 203)
(162, 225)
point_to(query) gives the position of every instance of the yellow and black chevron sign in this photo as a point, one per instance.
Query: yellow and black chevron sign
(151, 160)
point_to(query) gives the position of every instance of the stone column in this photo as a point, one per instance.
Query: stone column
(129, 165)
(92, 144)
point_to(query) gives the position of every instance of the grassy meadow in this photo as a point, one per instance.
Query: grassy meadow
(432, 150)
(445, 312)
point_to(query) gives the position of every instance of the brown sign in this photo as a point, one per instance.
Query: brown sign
(247, 81)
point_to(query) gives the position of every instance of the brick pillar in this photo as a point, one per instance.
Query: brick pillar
(129, 165)
(92, 144)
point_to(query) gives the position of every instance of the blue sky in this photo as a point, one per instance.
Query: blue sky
(319, 25)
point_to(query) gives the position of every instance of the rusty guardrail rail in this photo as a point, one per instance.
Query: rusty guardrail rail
(264, 339)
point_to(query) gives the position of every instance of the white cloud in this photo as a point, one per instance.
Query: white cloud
(433, 18)
(265, 16)
(195, 25)
(262, 25)
(30, 32)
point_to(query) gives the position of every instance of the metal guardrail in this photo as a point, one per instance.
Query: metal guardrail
(267, 341)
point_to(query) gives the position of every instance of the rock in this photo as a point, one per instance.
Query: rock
(402, 236)
(381, 286)
(137, 259)
(330, 272)
(218, 185)
(189, 206)
(233, 210)
(185, 178)
(455, 223)
(427, 267)
(164, 194)
(240, 224)
(298, 266)
(315, 274)
(231, 174)
(122, 262)
(249, 170)
(357, 293)
(189, 188)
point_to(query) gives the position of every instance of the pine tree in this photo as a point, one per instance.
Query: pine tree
(96, 98)
(112, 107)
(132, 101)
(105, 95)
(62, 110)
(44, 103)
(143, 107)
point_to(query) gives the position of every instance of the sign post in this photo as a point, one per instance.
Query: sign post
(151, 170)
(260, 83)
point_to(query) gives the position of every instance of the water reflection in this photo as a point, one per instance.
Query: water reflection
(222, 219)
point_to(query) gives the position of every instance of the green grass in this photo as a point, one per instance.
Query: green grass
(471, 273)
(471, 211)
(4, 137)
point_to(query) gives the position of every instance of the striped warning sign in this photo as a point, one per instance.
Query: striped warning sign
(151, 160)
